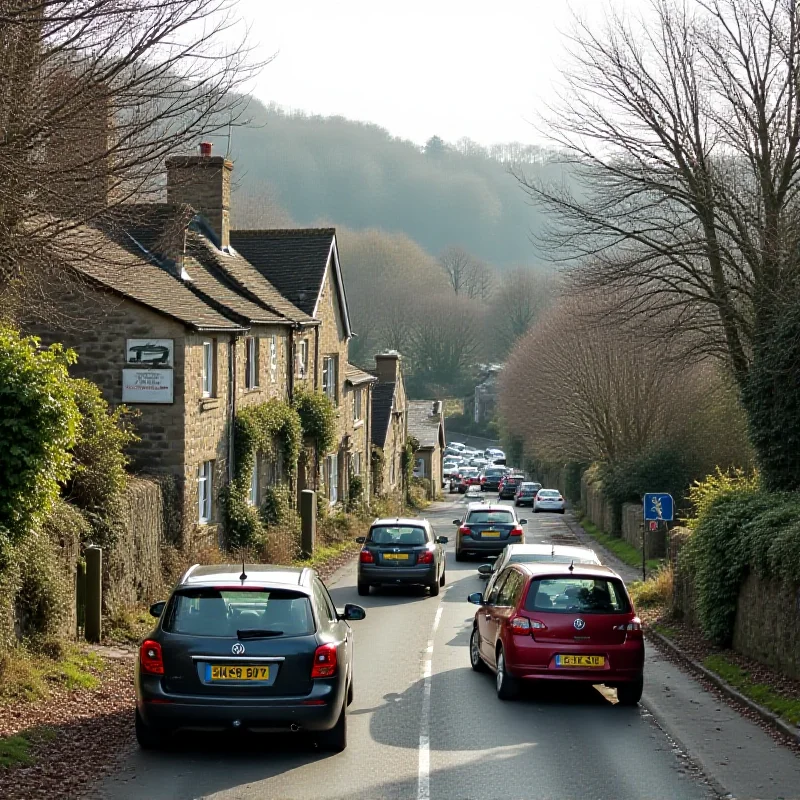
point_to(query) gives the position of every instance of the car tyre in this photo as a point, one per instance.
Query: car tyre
(363, 589)
(629, 694)
(434, 587)
(507, 684)
(335, 740)
(562, 511)
(459, 556)
(442, 579)
(350, 693)
(149, 738)
(475, 660)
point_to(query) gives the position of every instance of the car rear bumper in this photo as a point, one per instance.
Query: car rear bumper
(549, 506)
(425, 574)
(487, 545)
(317, 711)
(523, 501)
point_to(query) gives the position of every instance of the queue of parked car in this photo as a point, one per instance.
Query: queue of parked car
(248, 647)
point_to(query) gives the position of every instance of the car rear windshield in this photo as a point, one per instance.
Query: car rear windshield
(493, 472)
(397, 535)
(577, 595)
(207, 611)
(548, 493)
(491, 517)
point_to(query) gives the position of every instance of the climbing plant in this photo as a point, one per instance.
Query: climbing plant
(407, 460)
(317, 418)
(259, 428)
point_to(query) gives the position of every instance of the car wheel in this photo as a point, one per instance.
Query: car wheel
(562, 511)
(335, 740)
(475, 659)
(507, 686)
(434, 587)
(350, 693)
(149, 738)
(442, 579)
(629, 694)
(459, 556)
(363, 589)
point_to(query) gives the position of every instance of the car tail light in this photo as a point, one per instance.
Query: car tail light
(366, 557)
(520, 626)
(426, 557)
(325, 661)
(634, 625)
(150, 659)
(465, 530)
(537, 625)
(516, 531)
(560, 499)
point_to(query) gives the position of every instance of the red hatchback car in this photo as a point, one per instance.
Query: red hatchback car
(559, 622)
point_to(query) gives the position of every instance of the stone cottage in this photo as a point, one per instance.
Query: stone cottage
(389, 424)
(426, 425)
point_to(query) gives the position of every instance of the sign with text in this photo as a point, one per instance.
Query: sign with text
(147, 386)
(149, 352)
(658, 507)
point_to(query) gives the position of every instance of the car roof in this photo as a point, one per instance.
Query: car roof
(415, 522)
(489, 507)
(257, 575)
(546, 549)
(563, 570)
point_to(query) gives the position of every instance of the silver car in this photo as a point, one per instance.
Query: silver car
(549, 500)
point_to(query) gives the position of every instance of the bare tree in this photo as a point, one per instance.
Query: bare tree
(523, 295)
(682, 131)
(467, 275)
(94, 94)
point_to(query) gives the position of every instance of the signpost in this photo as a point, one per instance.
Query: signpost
(658, 508)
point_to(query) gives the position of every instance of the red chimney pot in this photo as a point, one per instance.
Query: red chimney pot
(205, 149)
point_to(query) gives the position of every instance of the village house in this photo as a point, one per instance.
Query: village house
(187, 331)
(389, 424)
(426, 425)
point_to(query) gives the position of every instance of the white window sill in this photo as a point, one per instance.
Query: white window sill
(209, 403)
(358, 423)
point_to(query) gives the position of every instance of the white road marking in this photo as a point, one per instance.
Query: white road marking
(424, 772)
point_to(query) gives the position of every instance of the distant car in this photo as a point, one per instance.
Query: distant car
(536, 554)
(477, 461)
(526, 493)
(510, 486)
(487, 528)
(454, 482)
(401, 552)
(490, 453)
(450, 468)
(456, 446)
(250, 647)
(548, 500)
(491, 478)
(558, 622)
(469, 476)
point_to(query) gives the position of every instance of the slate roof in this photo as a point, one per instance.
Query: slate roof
(355, 376)
(128, 271)
(294, 260)
(422, 424)
(382, 397)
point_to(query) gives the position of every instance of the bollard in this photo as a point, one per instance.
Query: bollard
(308, 520)
(94, 594)
(80, 599)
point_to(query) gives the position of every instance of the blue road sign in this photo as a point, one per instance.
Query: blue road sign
(658, 507)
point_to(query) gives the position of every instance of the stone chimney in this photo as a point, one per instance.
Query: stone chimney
(436, 408)
(203, 182)
(387, 365)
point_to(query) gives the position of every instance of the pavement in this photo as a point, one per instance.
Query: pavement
(424, 726)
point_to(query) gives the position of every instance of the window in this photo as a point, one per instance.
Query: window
(511, 590)
(332, 464)
(492, 598)
(251, 362)
(209, 365)
(356, 462)
(356, 405)
(329, 377)
(398, 535)
(391, 473)
(577, 595)
(302, 358)
(324, 602)
(253, 496)
(273, 358)
(491, 517)
(204, 490)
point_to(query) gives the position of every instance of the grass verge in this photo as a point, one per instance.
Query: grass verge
(28, 675)
(665, 630)
(128, 626)
(788, 708)
(619, 547)
(325, 554)
(15, 751)
(655, 592)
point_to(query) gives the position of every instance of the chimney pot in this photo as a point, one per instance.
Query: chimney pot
(205, 149)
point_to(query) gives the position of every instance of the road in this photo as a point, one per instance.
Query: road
(424, 725)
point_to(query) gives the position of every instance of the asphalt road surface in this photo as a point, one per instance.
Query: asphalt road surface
(424, 725)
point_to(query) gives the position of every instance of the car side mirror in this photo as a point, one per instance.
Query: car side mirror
(485, 569)
(456, 522)
(523, 522)
(442, 540)
(476, 598)
(352, 613)
(157, 609)
(361, 539)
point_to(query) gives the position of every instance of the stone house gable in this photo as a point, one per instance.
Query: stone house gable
(390, 421)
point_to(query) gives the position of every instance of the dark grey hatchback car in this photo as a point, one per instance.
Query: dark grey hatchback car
(401, 552)
(247, 648)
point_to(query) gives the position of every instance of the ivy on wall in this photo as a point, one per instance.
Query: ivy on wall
(317, 418)
(259, 428)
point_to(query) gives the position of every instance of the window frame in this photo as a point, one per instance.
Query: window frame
(209, 367)
(332, 465)
(251, 362)
(302, 358)
(330, 378)
(357, 405)
(355, 463)
(273, 358)
(205, 487)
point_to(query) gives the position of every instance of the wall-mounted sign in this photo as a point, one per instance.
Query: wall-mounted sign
(149, 352)
(147, 385)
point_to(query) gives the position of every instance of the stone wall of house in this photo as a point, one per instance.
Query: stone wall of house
(360, 436)
(270, 383)
(767, 626)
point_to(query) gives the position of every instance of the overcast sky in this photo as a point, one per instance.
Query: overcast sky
(418, 67)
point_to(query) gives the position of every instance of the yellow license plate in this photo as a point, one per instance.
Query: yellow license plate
(592, 662)
(395, 556)
(491, 534)
(223, 672)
